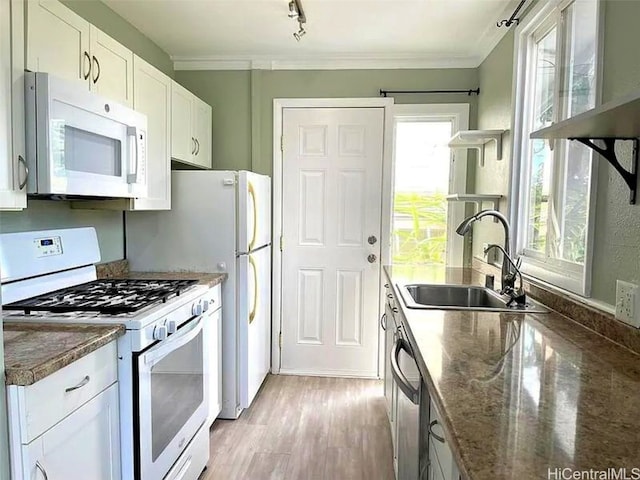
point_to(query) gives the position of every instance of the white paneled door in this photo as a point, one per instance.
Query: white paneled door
(332, 194)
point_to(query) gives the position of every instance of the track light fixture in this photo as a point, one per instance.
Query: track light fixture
(296, 12)
(300, 33)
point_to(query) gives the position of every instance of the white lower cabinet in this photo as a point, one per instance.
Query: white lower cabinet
(442, 464)
(67, 425)
(84, 445)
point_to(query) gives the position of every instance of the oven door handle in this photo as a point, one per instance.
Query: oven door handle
(399, 377)
(174, 341)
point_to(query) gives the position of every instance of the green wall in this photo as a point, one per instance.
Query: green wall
(44, 214)
(494, 112)
(50, 214)
(617, 224)
(242, 101)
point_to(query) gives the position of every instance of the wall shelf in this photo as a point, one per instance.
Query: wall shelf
(477, 139)
(477, 198)
(614, 121)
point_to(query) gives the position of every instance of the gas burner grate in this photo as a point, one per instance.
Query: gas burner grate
(105, 296)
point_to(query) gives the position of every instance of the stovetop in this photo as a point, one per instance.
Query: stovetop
(110, 297)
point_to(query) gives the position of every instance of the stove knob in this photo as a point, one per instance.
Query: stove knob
(196, 309)
(172, 326)
(205, 305)
(160, 332)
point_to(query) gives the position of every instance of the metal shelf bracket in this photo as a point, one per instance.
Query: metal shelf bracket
(609, 153)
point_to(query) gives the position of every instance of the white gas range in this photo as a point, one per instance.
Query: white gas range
(162, 366)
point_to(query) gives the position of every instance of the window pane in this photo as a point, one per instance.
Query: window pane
(541, 161)
(540, 154)
(579, 93)
(422, 163)
(543, 104)
(575, 201)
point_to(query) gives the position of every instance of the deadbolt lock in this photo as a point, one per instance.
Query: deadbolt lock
(372, 240)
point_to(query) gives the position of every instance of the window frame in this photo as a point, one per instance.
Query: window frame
(560, 273)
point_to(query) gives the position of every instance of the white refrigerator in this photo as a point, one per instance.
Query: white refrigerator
(220, 221)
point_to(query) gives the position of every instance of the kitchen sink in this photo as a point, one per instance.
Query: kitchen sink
(461, 297)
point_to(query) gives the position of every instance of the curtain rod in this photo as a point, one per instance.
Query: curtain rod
(512, 19)
(384, 93)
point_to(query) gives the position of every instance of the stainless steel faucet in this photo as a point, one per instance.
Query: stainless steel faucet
(509, 267)
(509, 282)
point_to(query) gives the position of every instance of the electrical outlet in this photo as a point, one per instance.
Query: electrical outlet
(627, 297)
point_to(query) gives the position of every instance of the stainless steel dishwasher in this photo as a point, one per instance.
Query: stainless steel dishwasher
(412, 455)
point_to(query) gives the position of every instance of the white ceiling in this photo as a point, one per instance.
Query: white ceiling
(345, 34)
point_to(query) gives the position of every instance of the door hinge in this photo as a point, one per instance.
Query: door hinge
(280, 341)
(281, 243)
(282, 143)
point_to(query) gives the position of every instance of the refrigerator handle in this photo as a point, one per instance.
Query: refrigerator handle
(252, 315)
(252, 194)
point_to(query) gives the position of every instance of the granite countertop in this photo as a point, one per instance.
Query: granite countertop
(120, 269)
(524, 393)
(209, 279)
(33, 351)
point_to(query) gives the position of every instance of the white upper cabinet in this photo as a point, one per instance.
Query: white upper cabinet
(152, 96)
(111, 68)
(57, 41)
(190, 128)
(62, 43)
(202, 135)
(183, 143)
(13, 171)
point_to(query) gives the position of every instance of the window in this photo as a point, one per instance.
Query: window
(557, 71)
(423, 222)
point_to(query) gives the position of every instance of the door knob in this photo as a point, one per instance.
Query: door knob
(372, 240)
(372, 258)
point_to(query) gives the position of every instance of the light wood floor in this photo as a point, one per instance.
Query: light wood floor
(306, 428)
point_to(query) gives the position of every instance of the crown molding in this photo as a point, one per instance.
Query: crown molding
(325, 62)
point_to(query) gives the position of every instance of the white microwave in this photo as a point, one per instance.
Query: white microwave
(80, 144)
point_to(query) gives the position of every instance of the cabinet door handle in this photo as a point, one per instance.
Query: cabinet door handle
(42, 470)
(87, 69)
(383, 321)
(84, 381)
(197, 146)
(434, 435)
(22, 161)
(97, 63)
(193, 146)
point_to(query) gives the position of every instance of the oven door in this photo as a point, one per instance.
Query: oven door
(171, 398)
